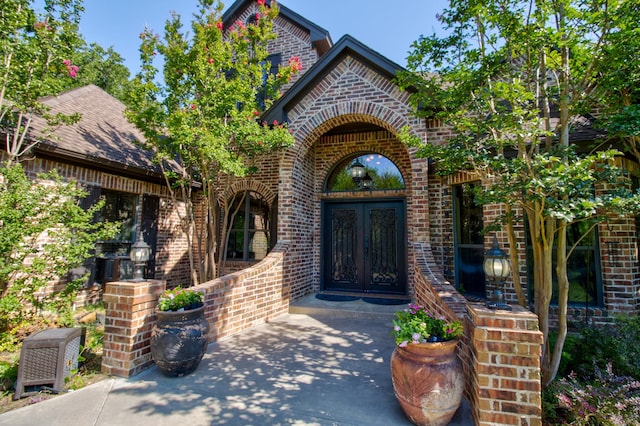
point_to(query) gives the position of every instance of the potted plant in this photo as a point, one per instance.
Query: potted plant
(425, 369)
(179, 336)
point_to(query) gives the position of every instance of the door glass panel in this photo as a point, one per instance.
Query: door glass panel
(383, 243)
(343, 248)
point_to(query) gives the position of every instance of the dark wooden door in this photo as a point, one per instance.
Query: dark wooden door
(364, 247)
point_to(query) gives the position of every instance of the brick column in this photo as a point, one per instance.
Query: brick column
(129, 318)
(505, 385)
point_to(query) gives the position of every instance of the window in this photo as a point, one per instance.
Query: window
(583, 267)
(381, 171)
(469, 241)
(249, 234)
(112, 257)
(120, 207)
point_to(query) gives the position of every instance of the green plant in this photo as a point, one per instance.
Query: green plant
(617, 344)
(45, 234)
(179, 299)
(416, 324)
(607, 400)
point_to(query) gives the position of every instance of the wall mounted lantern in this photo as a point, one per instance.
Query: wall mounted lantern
(140, 254)
(497, 268)
(359, 175)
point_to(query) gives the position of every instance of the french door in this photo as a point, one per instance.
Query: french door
(364, 247)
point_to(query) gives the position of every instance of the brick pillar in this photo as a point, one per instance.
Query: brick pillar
(505, 366)
(129, 318)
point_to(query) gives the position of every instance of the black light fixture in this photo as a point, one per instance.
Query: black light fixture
(497, 268)
(360, 175)
(357, 171)
(139, 255)
(367, 181)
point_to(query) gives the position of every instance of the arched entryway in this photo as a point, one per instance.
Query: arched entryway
(363, 244)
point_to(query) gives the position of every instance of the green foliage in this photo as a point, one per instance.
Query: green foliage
(45, 234)
(416, 324)
(617, 345)
(179, 299)
(36, 52)
(103, 68)
(608, 399)
(510, 79)
(205, 109)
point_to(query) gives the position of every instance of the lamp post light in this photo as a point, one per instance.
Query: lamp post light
(360, 175)
(367, 181)
(139, 255)
(497, 268)
(357, 171)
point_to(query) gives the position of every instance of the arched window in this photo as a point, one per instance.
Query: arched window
(249, 225)
(369, 171)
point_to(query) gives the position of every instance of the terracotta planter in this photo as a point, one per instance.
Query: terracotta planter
(427, 380)
(179, 341)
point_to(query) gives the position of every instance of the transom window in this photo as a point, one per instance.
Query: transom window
(369, 171)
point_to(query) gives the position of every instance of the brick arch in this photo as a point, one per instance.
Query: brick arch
(247, 185)
(350, 112)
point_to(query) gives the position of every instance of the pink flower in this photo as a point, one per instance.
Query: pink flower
(41, 26)
(72, 69)
(192, 106)
(295, 63)
(210, 60)
(260, 2)
(219, 25)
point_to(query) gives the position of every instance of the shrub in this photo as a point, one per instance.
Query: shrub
(617, 345)
(607, 400)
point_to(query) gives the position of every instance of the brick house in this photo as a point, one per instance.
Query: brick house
(344, 108)
(99, 153)
(396, 231)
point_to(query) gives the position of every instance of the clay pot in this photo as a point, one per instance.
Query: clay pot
(428, 382)
(179, 341)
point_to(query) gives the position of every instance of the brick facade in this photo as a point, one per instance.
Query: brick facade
(171, 264)
(500, 350)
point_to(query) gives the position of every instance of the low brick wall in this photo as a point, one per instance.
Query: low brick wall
(234, 303)
(129, 318)
(500, 351)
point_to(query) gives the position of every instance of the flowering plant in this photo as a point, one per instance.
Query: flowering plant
(417, 325)
(179, 299)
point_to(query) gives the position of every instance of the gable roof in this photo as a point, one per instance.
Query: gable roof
(103, 138)
(320, 38)
(347, 45)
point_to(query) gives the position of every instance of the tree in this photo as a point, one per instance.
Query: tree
(204, 113)
(44, 233)
(36, 54)
(511, 77)
(44, 236)
(103, 68)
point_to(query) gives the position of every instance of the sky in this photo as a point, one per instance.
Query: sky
(387, 29)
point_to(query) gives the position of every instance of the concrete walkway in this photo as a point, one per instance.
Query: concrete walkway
(300, 369)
